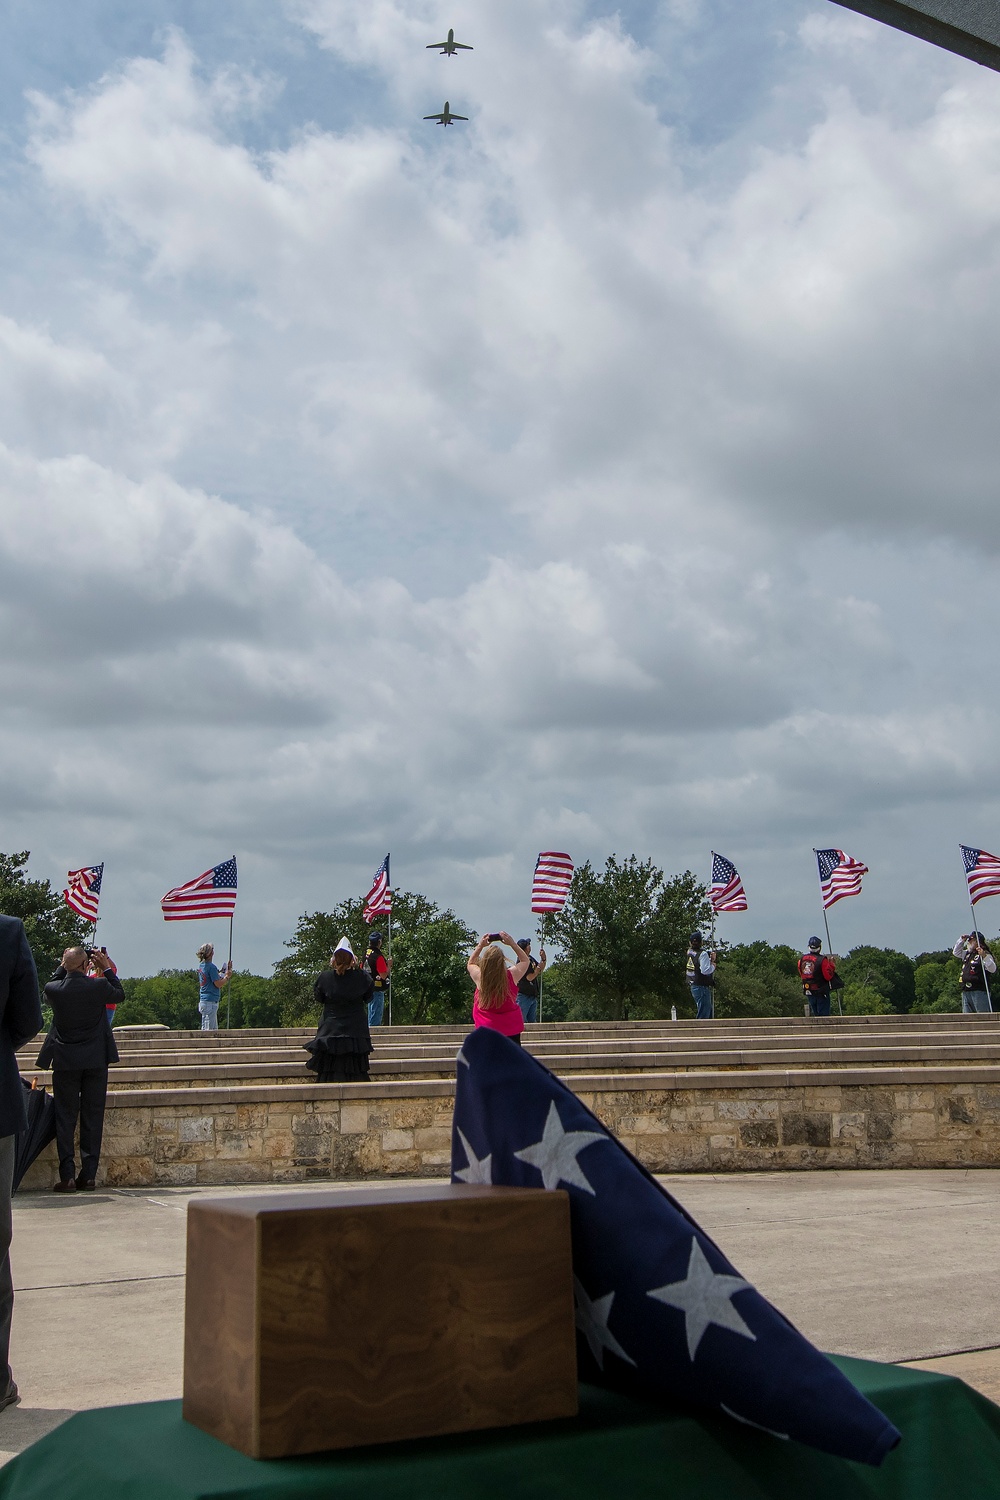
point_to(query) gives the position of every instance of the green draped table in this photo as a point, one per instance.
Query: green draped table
(616, 1449)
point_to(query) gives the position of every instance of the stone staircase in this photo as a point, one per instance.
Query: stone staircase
(633, 1052)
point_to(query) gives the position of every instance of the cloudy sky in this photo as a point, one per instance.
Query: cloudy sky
(615, 472)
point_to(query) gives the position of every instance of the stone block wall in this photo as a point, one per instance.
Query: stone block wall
(869, 1118)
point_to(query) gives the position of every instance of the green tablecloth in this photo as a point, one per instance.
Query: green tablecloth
(617, 1449)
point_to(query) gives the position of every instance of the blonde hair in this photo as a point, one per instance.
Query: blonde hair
(343, 959)
(205, 951)
(492, 978)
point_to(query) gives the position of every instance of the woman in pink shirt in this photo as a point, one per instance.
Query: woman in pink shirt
(495, 1004)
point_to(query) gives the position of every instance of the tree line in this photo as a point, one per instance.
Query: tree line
(621, 939)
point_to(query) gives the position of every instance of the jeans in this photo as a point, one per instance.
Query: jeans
(704, 1001)
(973, 1000)
(6, 1283)
(819, 1005)
(529, 1007)
(209, 1010)
(376, 1008)
(79, 1093)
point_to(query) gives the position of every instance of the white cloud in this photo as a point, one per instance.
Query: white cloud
(557, 480)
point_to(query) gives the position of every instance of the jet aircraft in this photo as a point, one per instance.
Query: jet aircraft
(446, 116)
(450, 47)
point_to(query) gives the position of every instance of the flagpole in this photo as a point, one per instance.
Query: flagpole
(229, 986)
(975, 928)
(541, 976)
(389, 959)
(826, 924)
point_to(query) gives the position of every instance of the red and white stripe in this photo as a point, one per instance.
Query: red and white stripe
(378, 902)
(982, 871)
(839, 875)
(84, 891)
(550, 887)
(212, 894)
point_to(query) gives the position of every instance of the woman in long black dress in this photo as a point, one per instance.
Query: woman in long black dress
(342, 1045)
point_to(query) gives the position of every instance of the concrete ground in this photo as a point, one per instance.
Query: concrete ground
(887, 1265)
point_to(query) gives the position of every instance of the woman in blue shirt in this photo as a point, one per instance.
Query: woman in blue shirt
(210, 982)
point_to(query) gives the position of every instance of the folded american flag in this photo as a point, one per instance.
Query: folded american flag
(660, 1312)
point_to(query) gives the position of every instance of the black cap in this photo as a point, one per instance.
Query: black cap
(815, 942)
(696, 937)
(374, 938)
(524, 943)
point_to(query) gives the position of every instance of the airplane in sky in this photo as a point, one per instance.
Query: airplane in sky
(450, 47)
(446, 116)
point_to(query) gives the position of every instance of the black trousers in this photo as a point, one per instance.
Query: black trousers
(79, 1093)
(7, 1144)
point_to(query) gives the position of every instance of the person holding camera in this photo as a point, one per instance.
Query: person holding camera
(78, 1049)
(210, 985)
(495, 1001)
(977, 962)
(700, 975)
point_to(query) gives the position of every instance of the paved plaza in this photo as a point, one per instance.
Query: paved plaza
(890, 1265)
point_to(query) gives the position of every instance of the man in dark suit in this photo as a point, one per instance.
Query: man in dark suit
(78, 1048)
(20, 1018)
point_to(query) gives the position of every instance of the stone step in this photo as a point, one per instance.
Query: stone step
(542, 1047)
(564, 1031)
(202, 1073)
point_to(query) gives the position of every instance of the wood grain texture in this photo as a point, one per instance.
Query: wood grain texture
(377, 1316)
(221, 1325)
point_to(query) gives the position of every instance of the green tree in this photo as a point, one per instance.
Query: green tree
(937, 981)
(758, 979)
(557, 997)
(624, 934)
(758, 956)
(429, 950)
(169, 998)
(882, 969)
(864, 1000)
(50, 925)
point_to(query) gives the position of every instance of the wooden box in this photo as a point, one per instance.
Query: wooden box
(330, 1319)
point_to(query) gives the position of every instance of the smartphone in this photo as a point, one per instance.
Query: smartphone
(496, 937)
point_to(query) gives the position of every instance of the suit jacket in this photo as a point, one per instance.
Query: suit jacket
(80, 1036)
(20, 1018)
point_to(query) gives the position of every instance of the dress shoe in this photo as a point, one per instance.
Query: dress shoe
(11, 1398)
(65, 1187)
(85, 1184)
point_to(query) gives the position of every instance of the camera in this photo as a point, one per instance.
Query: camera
(91, 951)
(496, 937)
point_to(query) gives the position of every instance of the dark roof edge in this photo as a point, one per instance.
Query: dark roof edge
(930, 28)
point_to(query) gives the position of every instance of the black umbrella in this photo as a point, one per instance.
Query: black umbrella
(41, 1129)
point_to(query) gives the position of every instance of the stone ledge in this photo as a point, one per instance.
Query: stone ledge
(628, 1083)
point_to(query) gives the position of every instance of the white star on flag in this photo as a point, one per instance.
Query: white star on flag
(592, 1321)
(555, 1154)
(703, 1298)
(476, 1171)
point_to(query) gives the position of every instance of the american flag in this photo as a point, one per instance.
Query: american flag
(726, 892)
(982, 871)
(378, 901)
(550, 887)
(84, 890)
(839, 875)
(661, 1313)
(211, 895)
